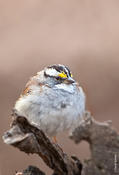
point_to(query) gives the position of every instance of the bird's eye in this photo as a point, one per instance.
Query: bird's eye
(57, 78)
(62, 75)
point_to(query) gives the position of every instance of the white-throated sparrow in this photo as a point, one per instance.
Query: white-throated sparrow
(52, 100)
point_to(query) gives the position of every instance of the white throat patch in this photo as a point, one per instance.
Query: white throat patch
(65, 87)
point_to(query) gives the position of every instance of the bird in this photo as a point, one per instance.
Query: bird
(52, 100)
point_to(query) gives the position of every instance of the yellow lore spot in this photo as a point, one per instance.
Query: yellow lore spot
(62, 75)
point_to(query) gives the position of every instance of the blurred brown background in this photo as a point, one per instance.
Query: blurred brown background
(81, 34)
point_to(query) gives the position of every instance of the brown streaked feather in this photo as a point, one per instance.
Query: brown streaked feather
(26, 91)
(32, 81)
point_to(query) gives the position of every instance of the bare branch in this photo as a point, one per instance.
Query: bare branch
(102, 138)
(104, 145)
(30, 139)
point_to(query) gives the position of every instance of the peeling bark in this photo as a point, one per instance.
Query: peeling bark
(30, 139)
(101, 136)
(104, 146)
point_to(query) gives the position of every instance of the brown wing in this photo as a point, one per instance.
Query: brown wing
(32, 81)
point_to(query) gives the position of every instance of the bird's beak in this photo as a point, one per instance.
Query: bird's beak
(69, 80)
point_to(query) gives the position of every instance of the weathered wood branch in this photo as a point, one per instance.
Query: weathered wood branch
(30, 139)
(104, 146)
(31, 170)
(102, 138)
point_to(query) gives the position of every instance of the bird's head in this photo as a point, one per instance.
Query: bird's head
(59, 74)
